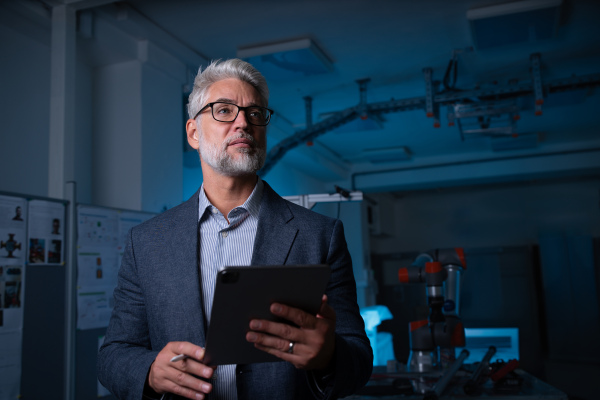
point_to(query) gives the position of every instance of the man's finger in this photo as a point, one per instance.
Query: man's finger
(300, 318)
(326, 311)
(180, 376)
(186, 349)
(278, 344)
(280, 329)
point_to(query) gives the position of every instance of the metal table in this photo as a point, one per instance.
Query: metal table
(532, 388)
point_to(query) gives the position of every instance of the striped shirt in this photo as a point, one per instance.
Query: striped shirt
(225, 244)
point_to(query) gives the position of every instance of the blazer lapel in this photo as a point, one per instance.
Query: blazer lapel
(274, 235)
(186, 261)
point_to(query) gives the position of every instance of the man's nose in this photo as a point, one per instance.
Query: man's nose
(242, 119)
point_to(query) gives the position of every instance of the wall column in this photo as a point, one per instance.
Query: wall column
(61, 157)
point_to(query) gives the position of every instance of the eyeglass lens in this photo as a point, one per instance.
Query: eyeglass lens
(227, 112)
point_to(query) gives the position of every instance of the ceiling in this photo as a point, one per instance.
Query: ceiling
(390, 43)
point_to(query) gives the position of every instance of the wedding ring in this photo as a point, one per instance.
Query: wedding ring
(291, 347)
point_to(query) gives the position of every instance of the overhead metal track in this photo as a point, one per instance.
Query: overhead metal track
(527, 89)
(278, 151)
(431, 103)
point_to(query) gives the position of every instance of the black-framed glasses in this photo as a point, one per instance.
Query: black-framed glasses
(228, 112)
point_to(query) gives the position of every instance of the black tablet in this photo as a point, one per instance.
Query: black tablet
(245, 293)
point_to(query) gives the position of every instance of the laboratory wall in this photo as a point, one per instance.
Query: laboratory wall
(290, 181)
(128, 120)
(138, 129)
(162, 143)
(84, 126)
(118, 135)
(24, 111)
(510, 214)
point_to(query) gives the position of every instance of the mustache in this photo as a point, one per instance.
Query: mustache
(241, 135)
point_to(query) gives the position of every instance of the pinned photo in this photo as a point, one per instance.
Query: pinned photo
(56, 226)
(12, 287)
(18, 214)
(10, 245)
(54, 253)
(37, 251)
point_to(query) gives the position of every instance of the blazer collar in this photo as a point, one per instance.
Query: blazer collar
(188, 275)
(274, 234)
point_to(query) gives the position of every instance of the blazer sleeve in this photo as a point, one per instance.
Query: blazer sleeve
(125, 357)
(353, 359)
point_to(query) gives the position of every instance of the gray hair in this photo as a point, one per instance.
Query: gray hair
(219, 70)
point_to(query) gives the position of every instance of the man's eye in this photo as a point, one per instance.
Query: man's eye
(255, 113)
(224, 110)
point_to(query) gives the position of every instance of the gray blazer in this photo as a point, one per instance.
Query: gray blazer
(158, 300)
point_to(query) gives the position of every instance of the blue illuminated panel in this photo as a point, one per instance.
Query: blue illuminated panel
(506, 341)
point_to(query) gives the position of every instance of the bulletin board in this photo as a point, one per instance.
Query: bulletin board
(36, 249)
(31, 234)
(101, 235)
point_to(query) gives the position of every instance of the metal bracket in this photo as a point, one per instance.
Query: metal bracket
(362, 105)
(428, 75)
(436, 116)
(308, 105)
(451, 116)
(537, 82)
(488, 118)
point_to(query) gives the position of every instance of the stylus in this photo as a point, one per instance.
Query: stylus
(179, 357)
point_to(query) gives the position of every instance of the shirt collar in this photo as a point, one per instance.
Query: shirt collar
(252, 203)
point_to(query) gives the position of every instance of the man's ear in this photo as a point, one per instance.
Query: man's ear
(191, 127)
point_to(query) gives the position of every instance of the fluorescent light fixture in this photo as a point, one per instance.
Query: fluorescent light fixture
(288, 59)
(514, 22)
(513, 7)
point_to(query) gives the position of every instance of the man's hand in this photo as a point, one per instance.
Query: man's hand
(177, 377)
(313, 340)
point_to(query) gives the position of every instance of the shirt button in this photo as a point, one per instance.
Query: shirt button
(214, 210)
(224, 234)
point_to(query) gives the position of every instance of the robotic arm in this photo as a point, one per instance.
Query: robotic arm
(433, 341)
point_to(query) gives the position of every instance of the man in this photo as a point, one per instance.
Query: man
(18, 213)
(56, 226)
(164, 295)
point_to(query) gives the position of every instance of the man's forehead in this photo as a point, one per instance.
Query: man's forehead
(231, 89)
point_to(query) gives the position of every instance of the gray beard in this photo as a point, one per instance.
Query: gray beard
(251, 160)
